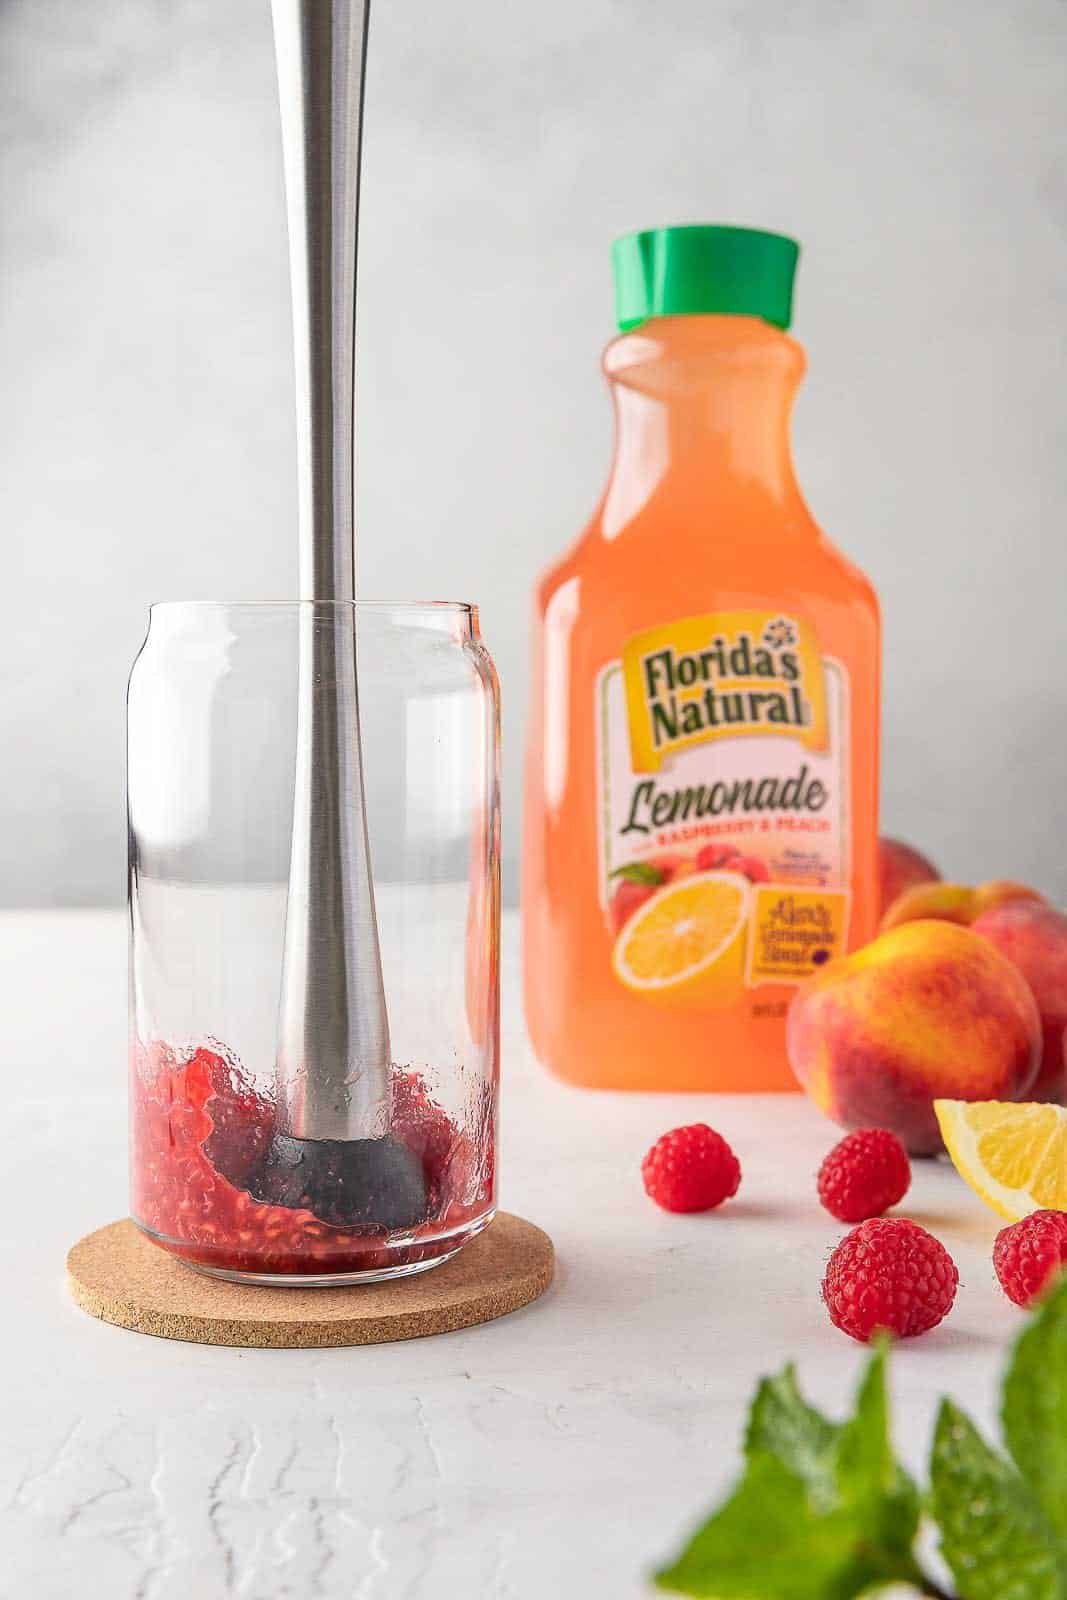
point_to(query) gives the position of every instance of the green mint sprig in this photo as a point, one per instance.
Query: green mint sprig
(823, 1510)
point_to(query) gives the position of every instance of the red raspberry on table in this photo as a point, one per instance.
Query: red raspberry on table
(864, 1174)
(1030, 1255)
(691, 1169)
(889, 1274)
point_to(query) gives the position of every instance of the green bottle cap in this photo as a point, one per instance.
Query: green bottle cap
(665, 272)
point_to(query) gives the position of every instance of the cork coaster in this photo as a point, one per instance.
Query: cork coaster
(118, 1275)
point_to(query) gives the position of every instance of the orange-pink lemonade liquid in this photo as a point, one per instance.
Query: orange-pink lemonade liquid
(702, 768)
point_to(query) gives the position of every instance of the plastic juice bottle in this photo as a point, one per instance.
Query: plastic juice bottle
(702, 767)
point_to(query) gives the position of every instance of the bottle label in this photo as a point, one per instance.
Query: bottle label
(722, 777)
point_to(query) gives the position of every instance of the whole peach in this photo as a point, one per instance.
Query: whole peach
(927, 1010)
(954, 902)
(901, 867)
(1034, 936)
(1003, 892)
(945, 902)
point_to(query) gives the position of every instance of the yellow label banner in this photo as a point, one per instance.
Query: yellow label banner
(793, 932)
(726, 675)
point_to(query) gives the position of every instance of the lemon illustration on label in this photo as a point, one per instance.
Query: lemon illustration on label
(686, 944)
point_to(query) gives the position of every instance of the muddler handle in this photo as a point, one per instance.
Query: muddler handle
(333, 1045)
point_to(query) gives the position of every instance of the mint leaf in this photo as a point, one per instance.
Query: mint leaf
(851, 1465)
(639, 872)
(1034, 1411)
(993, 1534)
(823, 1511)
(764, 1540)
(871, 1481)
(782, 1423)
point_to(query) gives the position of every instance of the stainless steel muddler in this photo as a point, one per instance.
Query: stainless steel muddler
(333, 1038)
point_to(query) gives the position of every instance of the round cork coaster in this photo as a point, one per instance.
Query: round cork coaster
(118, 1275)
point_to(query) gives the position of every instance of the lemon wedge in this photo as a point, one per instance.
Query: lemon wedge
(686, 944)
(1014, 1156)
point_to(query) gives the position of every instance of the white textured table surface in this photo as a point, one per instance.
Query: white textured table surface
(557, 1452)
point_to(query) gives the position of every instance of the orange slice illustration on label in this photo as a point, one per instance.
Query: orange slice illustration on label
(686, 945)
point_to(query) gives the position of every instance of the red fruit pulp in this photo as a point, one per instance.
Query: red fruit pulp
(197, 1115)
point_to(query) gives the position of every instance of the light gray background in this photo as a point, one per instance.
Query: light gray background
(146, 448)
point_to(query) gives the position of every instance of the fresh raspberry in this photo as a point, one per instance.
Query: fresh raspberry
(889, 1274)
(865, 1174)
(691, 1169)
(1030, 1254)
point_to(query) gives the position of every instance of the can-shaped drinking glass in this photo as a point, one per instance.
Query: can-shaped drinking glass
(236, 713)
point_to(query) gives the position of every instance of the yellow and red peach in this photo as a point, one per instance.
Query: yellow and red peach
(954, 902)
(927, 1010)
(1034, 937)
(901, 867)
(944, 902)
(1003, 892)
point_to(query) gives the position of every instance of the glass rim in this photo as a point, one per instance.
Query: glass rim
(462, 608)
